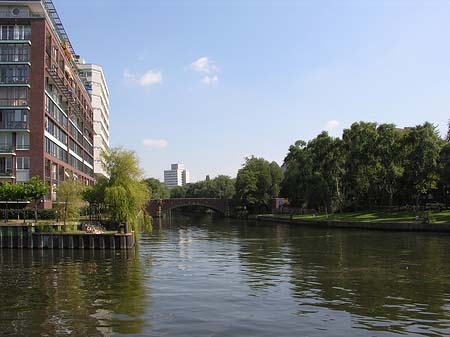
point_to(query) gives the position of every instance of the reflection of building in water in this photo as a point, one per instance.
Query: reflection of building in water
(104, 317)
(81, 293)
(184, 241)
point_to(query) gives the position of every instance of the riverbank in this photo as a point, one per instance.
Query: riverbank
(26, 236)
(395, 221)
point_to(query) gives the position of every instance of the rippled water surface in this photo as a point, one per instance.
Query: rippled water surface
(201, 276)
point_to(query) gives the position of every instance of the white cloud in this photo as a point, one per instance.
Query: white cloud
(150, 77)
(208, 68)
(209, 80)
(332, 125)
(155, 143)
(204, 65)
(200, 65)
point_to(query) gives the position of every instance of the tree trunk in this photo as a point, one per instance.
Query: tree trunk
(36, 210)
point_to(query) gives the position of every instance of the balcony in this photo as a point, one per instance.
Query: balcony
(7, 149)
(14, 58)
(13, 103)
(6, 173)
(22, 147)
(16, 81)
(14, 125)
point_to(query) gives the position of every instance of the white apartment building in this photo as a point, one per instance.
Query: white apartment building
(94, 80)
(176, 176)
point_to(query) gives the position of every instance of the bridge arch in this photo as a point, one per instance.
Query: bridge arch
(157, 207)
(189, 205)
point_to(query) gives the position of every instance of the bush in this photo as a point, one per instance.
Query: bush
(14, 214)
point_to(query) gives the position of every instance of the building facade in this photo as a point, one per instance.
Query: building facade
(46, 117)
(176, 176)
(95, 83)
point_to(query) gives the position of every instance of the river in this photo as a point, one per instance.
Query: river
(206, 276)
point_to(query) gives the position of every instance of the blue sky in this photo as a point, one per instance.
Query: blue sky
(207, 83)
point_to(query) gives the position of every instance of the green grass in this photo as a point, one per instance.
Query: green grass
(375, 216)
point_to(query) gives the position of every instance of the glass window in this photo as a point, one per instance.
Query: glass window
(23, 163)
(22, 141)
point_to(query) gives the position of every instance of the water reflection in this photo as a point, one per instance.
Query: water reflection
(76, 293)
(393, 282)
(204, 276)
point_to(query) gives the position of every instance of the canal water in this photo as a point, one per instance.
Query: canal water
(202, 276)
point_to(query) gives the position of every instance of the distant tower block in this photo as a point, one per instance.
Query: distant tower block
(176, 176)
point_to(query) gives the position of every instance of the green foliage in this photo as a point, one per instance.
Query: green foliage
(28, 213)
(221, 187)
(96, 194)
(125, 193)
(157, 189)
(257, 182)
(35, 189)
(69, 198)
(314, 173)
(178, 192)
(422, 146)
(372, 165)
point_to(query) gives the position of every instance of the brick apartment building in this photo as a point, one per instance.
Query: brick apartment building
(46, 117)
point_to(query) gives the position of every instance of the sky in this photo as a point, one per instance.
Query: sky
(209, 82)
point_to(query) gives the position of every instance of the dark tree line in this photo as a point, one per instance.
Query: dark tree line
(372, 165)
(221, 187)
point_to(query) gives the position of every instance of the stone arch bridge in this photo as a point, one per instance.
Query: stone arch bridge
(156, 207)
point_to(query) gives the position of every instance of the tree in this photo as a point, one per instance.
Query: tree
(298, 169)
(178, 192)
(391, 157)
(158, 189)
(422, 146)
(35, 189)
(126, 193)
(69, 197)
(223, 187)
(257, 182)
(444, 171)
(314, 171)
(361, 163)
(95, 195)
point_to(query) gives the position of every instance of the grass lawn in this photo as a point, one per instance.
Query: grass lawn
(375, 216)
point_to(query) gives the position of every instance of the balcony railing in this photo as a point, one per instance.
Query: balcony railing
(14, 80)
(16, 125)
(17, 102)
(6, 148)
(14, 58)
(22, 146)
(6, 172)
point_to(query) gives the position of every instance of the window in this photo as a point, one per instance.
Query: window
(23, 163)
(54, 172)
(13, 96)
(14, 119)
(55, 150)
(14, 74)
(23, 141)
(17, 32)
(55, 112)
(14, 52)
(5, 165)
(56, 131)
(5, 140)
(54, 192)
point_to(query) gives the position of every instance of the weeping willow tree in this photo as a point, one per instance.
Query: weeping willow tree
(69, 200)
(126, 194)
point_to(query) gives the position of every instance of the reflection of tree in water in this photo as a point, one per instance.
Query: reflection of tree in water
(397, 277)
(76, 293)
(263, 255)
